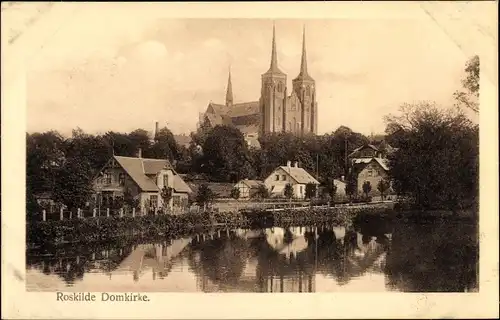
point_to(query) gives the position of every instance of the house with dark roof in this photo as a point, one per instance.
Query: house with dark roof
(142, 178)
(370, 150)
(248, 187)
(369, 163)
(372, 170)
(294, 175)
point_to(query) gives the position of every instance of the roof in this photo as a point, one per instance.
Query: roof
(363, 147)
(221, 189)
(180, 186)
(300, 175)
(135, 169)
(218, 108)
(252, 183)
(365, 161)
(244, 109)
(139, 168)
(153, 166)
(249, 129)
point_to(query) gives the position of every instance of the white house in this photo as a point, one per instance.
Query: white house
(143, 179)
(294, 175)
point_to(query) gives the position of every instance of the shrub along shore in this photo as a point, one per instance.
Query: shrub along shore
(103, 229)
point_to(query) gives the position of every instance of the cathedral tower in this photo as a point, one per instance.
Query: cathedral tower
(273, 95)
(305, 89)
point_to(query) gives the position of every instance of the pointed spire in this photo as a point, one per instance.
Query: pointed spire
(273, 68)
(303, 63)
(303, 74)
(229, 92)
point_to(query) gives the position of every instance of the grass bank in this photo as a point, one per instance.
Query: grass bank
(104, 229)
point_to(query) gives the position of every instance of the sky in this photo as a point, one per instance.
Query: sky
(123, 67)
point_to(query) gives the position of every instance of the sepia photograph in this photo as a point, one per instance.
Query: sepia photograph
(269, 154)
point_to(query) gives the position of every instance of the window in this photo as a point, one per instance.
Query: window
(107, 178)
(165, 180)
(370, 173)
(308, 91)
(154, 201)
(283, 177)
(277, 177)
(301, 189)
(121, 179)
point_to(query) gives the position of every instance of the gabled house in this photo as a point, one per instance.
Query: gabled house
(294, 175)
(379, 150)
(248, 187)
(143, 179)
(370, 169)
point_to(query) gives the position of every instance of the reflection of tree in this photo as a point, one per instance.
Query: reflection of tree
(433, 257)
(223, 259)
(71, 263)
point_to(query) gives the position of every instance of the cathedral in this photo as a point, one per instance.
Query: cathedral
(275, 111)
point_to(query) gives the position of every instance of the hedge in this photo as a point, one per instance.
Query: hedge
(104, 229)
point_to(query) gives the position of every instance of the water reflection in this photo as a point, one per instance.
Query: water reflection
(373, 256)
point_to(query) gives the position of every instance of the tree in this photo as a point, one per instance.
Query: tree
(330, 189)
(351, 186)
(129, 200)
(44, 157)
(288, 192)
(469, 96)
(73, 183)
(383, 186)
(205, 196)
(235, 194)
(262, 192)
(367, 187)
(437, 163)
(93, 149)
(164, 146)
(310, 190)
(226, 157)
(166, 195)
(140, 139)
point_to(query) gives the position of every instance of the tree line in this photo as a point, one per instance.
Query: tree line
(436, 164)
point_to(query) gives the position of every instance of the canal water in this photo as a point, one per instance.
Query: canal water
(372, 256)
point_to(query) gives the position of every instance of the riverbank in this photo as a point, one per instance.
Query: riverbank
(103, 229)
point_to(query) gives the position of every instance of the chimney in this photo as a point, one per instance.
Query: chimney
(296, 164)
(156, 129)
(288, 163)
(139, 153)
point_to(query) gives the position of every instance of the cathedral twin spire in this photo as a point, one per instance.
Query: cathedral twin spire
(273, 68)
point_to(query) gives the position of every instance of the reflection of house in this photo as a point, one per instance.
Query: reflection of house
(143, 179)
(276, 238)
(283, 175)
(248, 187)
(156, 257)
